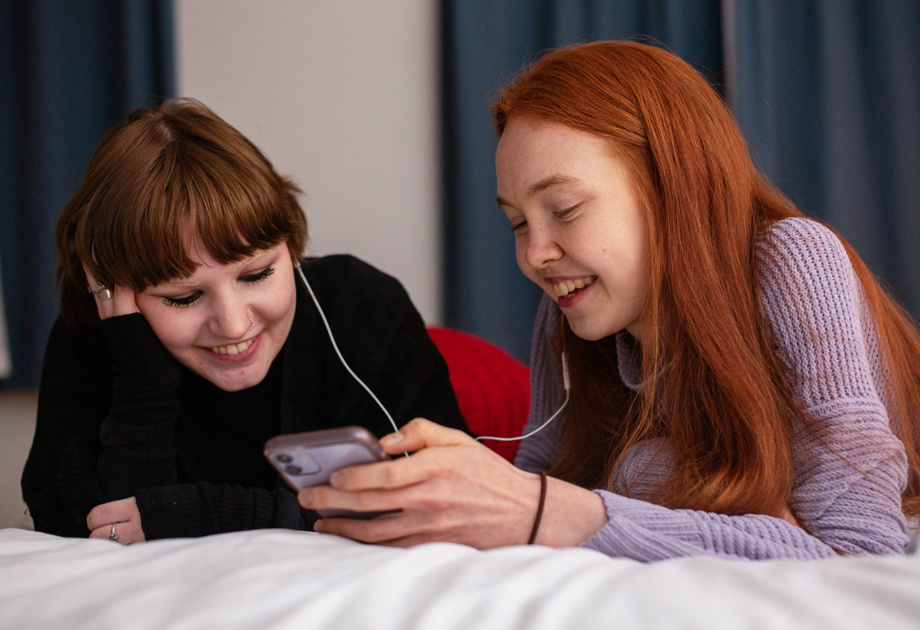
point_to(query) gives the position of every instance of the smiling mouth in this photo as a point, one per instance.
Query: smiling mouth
(568, 288)
(235, 348)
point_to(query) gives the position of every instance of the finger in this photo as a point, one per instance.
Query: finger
(103, 299)
(119, 511)
(124, 301)
(117, 520)
(100, 532)
(421, 433)
(429, 463)
(389, 474)
(125, 533)
(111, 301)
(106, 532)
(105, 514)
(326, 497)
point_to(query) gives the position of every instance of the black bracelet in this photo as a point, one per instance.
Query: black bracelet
(536, 521)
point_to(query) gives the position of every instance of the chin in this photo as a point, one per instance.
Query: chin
(236, 383)
(590, 331)
(236, 386)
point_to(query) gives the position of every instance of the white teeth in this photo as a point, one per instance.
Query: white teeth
(232, 349)
(567, 287)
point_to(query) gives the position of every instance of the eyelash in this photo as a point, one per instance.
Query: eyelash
(258, 277)
(185, 302)
(517, 226)
(565, 212)
(561, 215)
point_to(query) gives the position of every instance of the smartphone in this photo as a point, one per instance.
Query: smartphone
(307, 459)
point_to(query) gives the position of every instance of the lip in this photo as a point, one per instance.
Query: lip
(572, 280)
(568, 302)
(239, 357)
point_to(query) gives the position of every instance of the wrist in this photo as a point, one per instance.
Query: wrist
(540, 505)
(139, 361)
(571, 515)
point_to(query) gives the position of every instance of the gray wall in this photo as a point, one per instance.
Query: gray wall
(342, 96)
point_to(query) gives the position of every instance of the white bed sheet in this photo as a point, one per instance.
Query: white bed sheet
(284, 579)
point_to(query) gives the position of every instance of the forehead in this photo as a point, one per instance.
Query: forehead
(532, 151)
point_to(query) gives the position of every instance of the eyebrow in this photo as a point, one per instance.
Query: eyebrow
(540, 186)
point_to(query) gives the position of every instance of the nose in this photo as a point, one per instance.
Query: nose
(541, 248)
(231, 317)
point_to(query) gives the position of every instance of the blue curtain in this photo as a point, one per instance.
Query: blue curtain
(828, 95)
(826, 92)
(69, 72)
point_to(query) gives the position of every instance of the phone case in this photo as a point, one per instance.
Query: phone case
(307, 459)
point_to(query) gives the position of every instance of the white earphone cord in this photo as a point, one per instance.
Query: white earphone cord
(339, 353)
(565, 384)
(565, 374)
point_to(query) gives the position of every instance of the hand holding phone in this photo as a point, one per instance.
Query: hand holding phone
(308, 459)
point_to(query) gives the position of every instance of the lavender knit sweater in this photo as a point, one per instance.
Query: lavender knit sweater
(849, 498)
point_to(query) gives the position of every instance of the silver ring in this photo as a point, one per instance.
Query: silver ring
(103, 293)
(112, 535)
(252, 325)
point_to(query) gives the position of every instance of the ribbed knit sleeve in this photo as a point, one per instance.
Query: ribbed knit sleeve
(849, 467)
(201, 509)
(138, 446)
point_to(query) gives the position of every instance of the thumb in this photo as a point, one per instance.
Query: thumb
(421, 433)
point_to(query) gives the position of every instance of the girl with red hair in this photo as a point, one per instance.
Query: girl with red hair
(737, 385)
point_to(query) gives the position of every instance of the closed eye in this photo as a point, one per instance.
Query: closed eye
(182, 302)
(567, 212)
(516, 227)
(188, 300)
(258, 277)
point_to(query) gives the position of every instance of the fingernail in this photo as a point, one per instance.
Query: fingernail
(335, 479)
(305, 497)
(392, 438)
(319, 526)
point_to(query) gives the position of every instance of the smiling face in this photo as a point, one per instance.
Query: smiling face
(579, 230)
(204, 320)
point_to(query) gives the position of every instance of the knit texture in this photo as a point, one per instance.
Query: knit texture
(133, 422)
(849, 473)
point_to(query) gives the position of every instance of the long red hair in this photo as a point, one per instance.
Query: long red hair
(713, 385)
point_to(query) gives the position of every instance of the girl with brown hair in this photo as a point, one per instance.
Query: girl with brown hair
(186, 341)
(734, 380)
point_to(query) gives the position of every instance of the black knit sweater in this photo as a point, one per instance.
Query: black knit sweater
(119, 417)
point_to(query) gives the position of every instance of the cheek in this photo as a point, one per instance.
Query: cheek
(519, 250)
(279, 303)
(640, 264)
(520, 254)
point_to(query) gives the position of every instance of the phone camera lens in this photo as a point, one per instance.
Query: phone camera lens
(293, 470)
(284, 458)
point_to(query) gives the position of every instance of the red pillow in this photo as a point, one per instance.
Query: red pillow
(492, 387)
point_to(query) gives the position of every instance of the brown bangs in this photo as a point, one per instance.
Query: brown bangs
(218, 203)
(168, 181)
